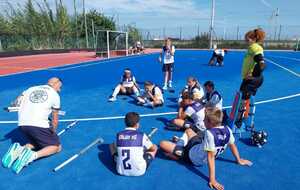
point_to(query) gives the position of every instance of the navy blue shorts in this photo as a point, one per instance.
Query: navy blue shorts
(40, 137)
(185, 150)
(168, 67)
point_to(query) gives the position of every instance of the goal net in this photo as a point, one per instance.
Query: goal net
(111, 43)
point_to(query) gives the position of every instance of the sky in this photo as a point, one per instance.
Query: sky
(166, 17)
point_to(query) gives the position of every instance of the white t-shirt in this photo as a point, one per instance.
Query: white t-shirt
(157, 93)
(131, 146)
(168, 55)
(128, 82)
(36, 106)
(198, 93)
(219, 52)
(216, 101)
(198, 153)
(196, 112)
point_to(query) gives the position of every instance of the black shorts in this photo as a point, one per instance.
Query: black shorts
(193, 126)
(148, 158)
(40, 137)
(129, 91)
(168, 67)
(220, 58)
(249, 87)
(192, 142)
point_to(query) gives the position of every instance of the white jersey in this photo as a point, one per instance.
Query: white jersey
(128, 82)
(220, 52)
(214, 99)
(168, 55)
(131, 146)
(196, 112)
(36, 106)
(196, 92)
(215, 140)
(157, 92)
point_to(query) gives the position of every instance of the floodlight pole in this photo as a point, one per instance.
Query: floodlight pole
(76, 21)
(85, 25)
(107, 41)
(126, 43)
(212, 20)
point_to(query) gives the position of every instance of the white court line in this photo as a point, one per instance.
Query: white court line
(284, 68)
(97, 63)
(283, 57)
(155, 114)
(81, 64)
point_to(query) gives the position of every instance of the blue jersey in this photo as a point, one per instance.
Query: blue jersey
(130, 150)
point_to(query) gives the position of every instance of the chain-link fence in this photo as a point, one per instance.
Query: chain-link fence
(280, 37)
(277, 37)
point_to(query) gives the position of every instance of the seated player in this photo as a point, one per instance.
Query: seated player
(196, 151)
(212, 96)
(127, 86)
(218, 56)
(152, 97)
(133, 151)
(191, 116)
(194, 90)
(139, 48)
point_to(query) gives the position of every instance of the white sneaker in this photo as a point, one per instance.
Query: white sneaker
(165, 87)
(170, 84)
(112, 99)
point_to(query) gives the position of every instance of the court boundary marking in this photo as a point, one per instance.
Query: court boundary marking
(289, 58)
(87, 63)
(74, 66)
(157, 114)
(282, 67)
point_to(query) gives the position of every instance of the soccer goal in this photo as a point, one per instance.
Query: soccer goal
(111, 43)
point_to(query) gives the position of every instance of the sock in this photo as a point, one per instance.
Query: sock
(116, 91)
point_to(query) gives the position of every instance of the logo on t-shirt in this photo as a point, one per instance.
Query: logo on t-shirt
(38, 96)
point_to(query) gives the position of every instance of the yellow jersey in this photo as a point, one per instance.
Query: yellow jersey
(249, 63)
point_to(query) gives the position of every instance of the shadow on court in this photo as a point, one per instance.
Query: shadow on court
(106, 159)
(193, 169)
(15, 135)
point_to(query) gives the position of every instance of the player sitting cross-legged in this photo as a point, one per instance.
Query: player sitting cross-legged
(192, 149)
(152, 97)
(191, 116)
(127, 86)
(133, 151)
(194, 90)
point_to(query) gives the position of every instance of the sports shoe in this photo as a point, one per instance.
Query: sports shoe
(175, 139)
(26, 158)
(112, 99)
(165, 87)
(170, 84)
(148, 104)
(13, 153)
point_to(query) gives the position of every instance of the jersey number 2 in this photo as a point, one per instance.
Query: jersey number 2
(126, 156)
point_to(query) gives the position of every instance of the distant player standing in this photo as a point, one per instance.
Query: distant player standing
(37, 103)
(167, 59)
(133, 151)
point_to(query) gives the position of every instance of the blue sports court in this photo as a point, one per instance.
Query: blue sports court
(84, 95)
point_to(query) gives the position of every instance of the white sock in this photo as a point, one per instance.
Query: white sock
(116, 91)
